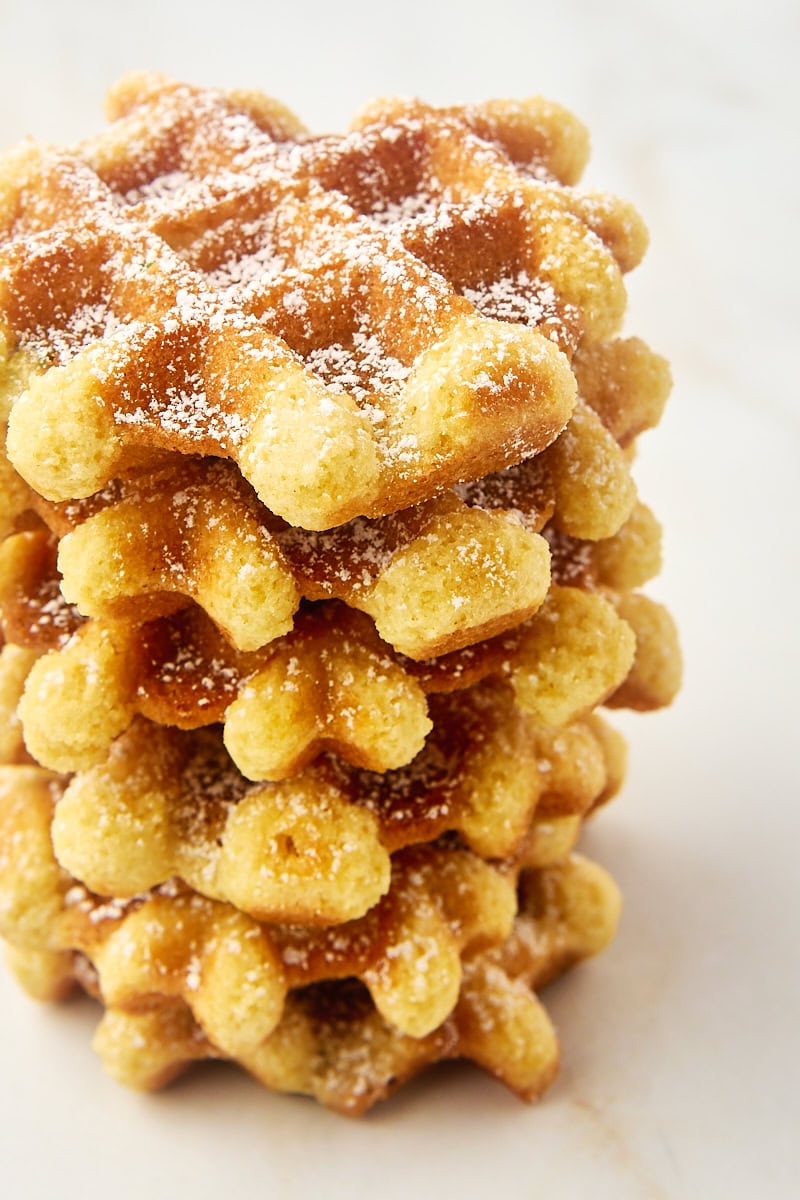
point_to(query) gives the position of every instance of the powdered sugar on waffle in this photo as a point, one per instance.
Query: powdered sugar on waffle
(360, 370)
(169, 191)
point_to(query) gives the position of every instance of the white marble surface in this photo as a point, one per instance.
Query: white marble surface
(681, 1044)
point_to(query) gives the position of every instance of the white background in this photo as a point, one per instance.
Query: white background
(681, 1048)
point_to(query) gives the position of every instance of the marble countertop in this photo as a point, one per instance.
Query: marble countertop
(680, 1043)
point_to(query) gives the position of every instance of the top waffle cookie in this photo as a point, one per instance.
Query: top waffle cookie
(358, 321)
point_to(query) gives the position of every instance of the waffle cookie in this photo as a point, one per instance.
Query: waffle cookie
(453, 938)
(328, 682)
(320, 553)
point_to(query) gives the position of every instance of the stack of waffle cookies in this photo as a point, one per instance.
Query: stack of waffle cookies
(320, 552)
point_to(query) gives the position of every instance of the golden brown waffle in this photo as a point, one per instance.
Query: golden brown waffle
(624, 382)
(333, 1044)
(445, 967)
(314, 848)
(473, 569)
(475, 565)
(330, 684)
(263, 265)
(35, 890)
(234, 972)
(197, 532)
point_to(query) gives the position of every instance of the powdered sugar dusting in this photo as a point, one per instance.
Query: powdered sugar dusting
(516, 298)
(360, 369)
(207, 241)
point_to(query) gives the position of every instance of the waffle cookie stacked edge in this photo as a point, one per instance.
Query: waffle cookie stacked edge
(321, 551)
